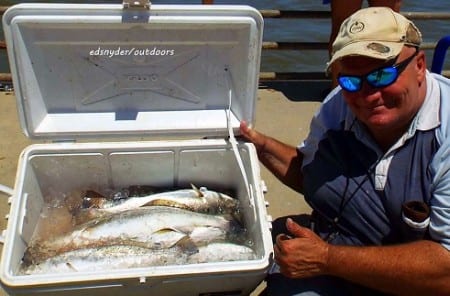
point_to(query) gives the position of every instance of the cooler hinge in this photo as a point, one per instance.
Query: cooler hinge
(136, 11)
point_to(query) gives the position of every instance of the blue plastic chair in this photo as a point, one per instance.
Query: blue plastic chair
(439, 54)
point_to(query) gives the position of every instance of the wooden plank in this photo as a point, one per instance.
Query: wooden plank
(3, 9)
(427, 15)
(323, 14)
(268, 76)
(302, 14)
(275, 45)
(5, 77)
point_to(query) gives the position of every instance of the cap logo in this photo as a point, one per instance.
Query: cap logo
(356, 27)
(378, 47)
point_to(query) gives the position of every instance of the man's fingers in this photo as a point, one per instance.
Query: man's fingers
(295, 229)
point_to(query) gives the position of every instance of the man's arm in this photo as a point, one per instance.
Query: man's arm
(416, 268)
(284, 161)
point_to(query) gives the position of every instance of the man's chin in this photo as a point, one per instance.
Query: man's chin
(379, 121)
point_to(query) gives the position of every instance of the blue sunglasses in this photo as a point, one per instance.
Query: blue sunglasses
(378, 78)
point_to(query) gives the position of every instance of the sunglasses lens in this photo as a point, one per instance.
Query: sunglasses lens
(350, 83)
(382, 77)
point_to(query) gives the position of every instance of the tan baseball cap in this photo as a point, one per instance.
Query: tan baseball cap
(376, 32)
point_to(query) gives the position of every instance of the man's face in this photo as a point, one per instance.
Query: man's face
(391, 107)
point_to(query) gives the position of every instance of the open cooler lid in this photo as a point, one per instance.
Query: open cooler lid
(111, 69)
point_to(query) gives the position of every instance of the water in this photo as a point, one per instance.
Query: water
(298, 30)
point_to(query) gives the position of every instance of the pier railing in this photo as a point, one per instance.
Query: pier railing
(270, 45)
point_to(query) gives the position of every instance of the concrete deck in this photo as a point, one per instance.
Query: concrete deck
(277, 116)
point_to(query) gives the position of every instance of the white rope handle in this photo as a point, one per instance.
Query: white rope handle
(237, 155)
(7, 190)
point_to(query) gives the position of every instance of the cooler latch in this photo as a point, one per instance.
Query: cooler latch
(136, 11)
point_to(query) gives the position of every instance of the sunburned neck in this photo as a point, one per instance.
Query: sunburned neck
(387, 140)
(387, 137)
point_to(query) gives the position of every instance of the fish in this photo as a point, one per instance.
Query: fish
(221, 252)
(125, 256)
(103, 258)
(153, 227)
(195, 199)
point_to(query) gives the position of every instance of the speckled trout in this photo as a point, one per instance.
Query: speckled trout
(195, 199)
(123, 257)
(152, 227)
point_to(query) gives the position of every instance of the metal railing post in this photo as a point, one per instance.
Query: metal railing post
(439, 54)
(302, 45)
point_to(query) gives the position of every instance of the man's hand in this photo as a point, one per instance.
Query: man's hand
(283, 160)
(258, 139)
(302, 253)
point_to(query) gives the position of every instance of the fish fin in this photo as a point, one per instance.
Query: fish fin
(85, 215)
(198, 191)
(70, 266)
(158, 202)
(168, 203)
(94, 194)
(187, 245)
(28, 257)
(168, 229)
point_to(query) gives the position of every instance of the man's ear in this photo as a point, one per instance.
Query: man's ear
(421, 66)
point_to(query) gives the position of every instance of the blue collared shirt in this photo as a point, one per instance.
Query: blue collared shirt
(349, 179)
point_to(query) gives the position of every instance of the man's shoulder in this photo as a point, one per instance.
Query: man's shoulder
(443, 131)
(333, 110)
(334, 106)
(444, 85)
(444, 99)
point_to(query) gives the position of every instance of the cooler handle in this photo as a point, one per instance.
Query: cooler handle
(234, 147)
(10, 192)
(7, 190)
(136, 4)
(136, 11)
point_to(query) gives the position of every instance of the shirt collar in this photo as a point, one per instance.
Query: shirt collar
(428, 116)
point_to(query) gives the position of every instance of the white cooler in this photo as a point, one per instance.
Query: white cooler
(183, 74)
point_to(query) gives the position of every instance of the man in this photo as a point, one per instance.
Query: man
(375, 169)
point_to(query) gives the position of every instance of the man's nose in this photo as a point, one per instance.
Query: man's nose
(368, 90)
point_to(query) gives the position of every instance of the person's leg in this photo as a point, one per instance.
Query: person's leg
(393, 4)
(279, 285)
(279, 224)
